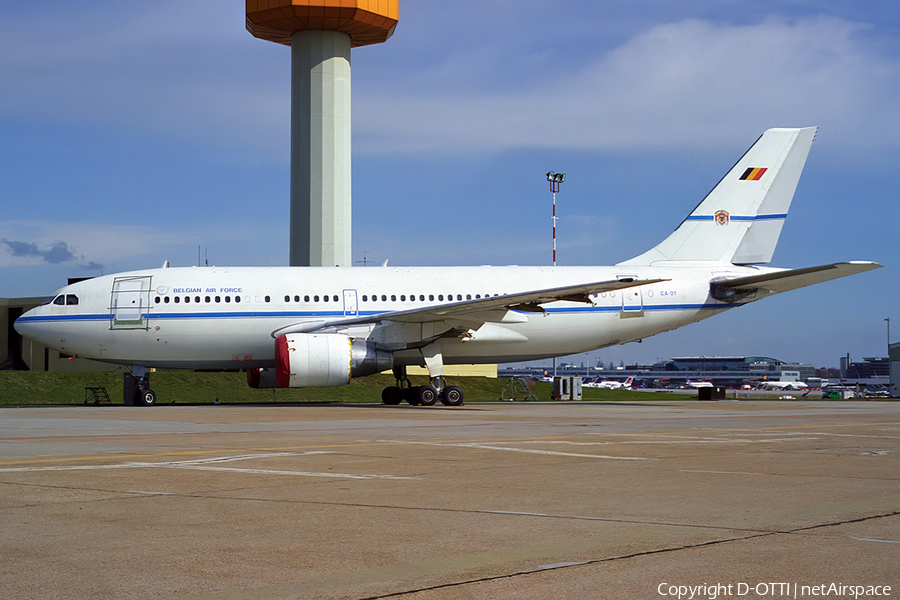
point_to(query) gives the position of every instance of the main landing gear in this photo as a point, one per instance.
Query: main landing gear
(425, 395)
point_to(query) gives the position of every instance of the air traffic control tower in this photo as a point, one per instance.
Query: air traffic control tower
(320, 34)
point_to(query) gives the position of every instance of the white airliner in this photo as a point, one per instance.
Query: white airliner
(318, 326)
(783, 385)
(698, 384)
(611, 384)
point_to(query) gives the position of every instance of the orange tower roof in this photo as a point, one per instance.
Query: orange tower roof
(365, 21)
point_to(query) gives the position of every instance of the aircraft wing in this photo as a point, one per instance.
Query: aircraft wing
(789, 279)
(492, 309)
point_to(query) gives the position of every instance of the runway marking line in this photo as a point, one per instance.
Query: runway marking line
(488, 446)
(177, 453)
(205, 465)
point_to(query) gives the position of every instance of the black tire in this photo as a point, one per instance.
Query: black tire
(392, 395)
(452, 396)
(427, 395)
(411, 395)
(147, 398)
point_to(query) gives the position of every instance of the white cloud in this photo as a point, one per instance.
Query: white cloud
(689, 83)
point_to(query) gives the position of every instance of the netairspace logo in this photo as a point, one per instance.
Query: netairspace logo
(771, 590)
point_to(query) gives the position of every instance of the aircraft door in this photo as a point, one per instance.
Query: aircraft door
(351, 308)
(130, 303)
(632, 301)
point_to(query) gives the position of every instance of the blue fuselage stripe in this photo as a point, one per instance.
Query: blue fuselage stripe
(337, 314)
(739, 217)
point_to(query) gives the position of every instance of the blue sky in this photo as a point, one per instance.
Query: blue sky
(132, 133)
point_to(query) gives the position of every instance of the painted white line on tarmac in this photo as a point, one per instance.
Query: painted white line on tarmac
(875, 540)
(205, 464)
(673, 441)
(514, 512)
(526, 450)
(220, 459)
(272, 472)
(719, 472)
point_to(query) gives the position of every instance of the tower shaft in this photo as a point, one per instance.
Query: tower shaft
(320, 149)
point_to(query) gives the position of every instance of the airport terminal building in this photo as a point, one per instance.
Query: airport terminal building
(724, 371)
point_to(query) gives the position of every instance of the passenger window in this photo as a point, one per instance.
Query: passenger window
(296, 298)
(197, 299)
(187, 299)
(157, 299)
(402, 298)
(227, 299)
(71, 300)
(287, 298)
(459, 296)
(422, 297)
(218, 299)
(267, 299)
(383, 298)
(364, 297)
(306, 298)
(177, 299)
(166, 299)
(440, 297)
(393, 298)
(315, 298)
(325, 298)
(237, 298)
(335, 298)
(60, 300)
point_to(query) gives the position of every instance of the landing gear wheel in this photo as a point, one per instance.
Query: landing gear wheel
(147, 397)
(452, 396)
(427, 395)
(411, 395)
(392, 395)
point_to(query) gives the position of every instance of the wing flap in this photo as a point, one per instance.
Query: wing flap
(496, 309)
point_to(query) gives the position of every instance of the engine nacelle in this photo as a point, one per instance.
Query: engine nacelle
(325, 359)
(262, 378)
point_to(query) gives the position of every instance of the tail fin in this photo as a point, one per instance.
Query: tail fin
(740, 220)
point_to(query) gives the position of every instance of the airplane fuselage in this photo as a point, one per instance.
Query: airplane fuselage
(219, 318)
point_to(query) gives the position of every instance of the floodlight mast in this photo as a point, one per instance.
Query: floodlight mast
(555, 179)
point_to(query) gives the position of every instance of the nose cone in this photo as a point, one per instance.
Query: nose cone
(28, 325)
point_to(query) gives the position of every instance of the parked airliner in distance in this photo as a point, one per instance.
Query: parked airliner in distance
(612, 384)
(319, 326)
(783, 385)
(696, 385)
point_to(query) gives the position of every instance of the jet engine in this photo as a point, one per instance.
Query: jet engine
(321, 359)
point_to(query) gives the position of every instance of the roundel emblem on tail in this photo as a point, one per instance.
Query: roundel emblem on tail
(722, 217)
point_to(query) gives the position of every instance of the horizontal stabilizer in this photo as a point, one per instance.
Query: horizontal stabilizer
(775, 282)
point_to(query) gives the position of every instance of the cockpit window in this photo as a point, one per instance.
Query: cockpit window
(48, 301)
(60, 300)
(71, 300)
